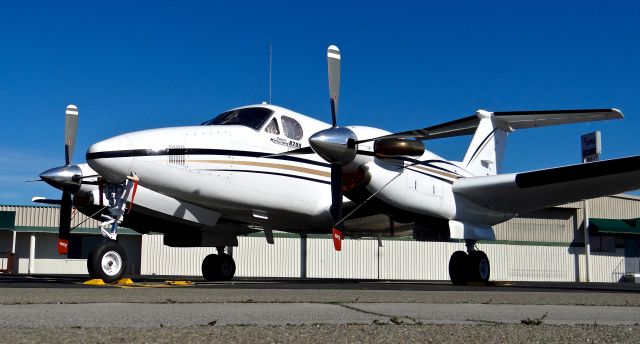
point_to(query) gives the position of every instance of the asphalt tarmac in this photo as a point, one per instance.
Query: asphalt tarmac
(63, 309)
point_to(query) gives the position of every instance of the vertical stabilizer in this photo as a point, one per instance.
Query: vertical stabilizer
(484, 155)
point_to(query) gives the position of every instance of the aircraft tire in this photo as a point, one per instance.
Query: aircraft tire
(479, 268)
(211, 267)
(107, 261)
(218, 267)
(227, 267)
(458, 267)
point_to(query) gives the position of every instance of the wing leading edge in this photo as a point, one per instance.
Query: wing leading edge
(528, 191)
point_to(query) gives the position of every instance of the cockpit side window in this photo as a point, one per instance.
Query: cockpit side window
(253, 117)
(292, 129)
(272, 127)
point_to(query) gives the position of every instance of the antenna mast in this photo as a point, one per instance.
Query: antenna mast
(270, 64)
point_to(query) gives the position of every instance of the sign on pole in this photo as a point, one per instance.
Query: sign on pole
(591, 146)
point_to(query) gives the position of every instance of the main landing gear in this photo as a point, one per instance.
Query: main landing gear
(218, 267)
(472, 266)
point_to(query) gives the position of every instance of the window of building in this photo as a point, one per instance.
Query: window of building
(292, 129)
(253, 117)
(272, 127)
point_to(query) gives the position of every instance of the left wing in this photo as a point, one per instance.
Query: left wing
(528, 191)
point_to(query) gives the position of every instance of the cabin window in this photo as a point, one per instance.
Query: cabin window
(272, 127)
(292, 129)
(253, 117)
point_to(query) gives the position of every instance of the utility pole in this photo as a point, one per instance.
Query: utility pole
(270, 67)
(591, 149)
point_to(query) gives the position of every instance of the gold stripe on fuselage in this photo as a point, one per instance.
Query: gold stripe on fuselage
(268, 165)
(436, 171)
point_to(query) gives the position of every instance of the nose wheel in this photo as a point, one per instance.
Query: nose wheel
(107, 261)
(469, 267)
(218, 267)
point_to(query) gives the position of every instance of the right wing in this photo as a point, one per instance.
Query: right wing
(528, 191)
(511, 119)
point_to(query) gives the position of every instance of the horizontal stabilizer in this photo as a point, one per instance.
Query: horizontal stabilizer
(535, 119)
(528, 191)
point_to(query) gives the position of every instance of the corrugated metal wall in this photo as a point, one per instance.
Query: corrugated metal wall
(42, 216)
(396, 259)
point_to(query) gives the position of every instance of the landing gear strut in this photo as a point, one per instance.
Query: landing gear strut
(472, 265)
(218, 267)
(107, 261)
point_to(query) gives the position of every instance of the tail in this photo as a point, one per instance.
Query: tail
(484, 155)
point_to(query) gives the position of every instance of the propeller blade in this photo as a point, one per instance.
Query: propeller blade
(65, 223)
(43, 200)
(336, 191)
(336, 203)
(333, 63)
(336, 234)
(70, 128)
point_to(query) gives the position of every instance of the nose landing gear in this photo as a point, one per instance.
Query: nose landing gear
(108, 261)
(472, 266)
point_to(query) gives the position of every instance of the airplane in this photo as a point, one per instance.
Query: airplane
(264, 167)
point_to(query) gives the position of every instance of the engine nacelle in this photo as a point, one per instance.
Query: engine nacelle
(389, 148)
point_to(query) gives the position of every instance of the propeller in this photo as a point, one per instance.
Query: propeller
(70, 128)
(335, 144)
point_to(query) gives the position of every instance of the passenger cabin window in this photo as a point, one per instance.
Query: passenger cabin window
(253, 118)
(272, 127)
(292, 129)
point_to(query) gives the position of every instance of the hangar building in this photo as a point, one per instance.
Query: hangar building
(546, 245)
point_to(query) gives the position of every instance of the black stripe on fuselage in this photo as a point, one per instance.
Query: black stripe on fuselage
(198, 151)
(271, 173)
(207, 151)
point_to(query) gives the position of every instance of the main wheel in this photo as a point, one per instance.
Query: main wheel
(479, 268)
(227, 267)
(218, 267)
(458, 267)
(107, 261)
(211, 267)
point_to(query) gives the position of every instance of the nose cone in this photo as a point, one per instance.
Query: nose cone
(65, 178)
(334, 145)
(111, 158)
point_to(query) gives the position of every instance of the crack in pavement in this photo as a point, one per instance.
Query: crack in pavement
(396, 319)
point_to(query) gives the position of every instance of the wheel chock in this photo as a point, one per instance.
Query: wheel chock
(95, 281)
(178, 283)
(124, 281)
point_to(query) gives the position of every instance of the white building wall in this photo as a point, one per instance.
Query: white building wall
(396, 259)
(358, 259)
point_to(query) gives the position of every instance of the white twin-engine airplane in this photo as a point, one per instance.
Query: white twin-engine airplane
(266, 168)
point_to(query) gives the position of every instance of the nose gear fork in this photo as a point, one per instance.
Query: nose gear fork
(117, 196)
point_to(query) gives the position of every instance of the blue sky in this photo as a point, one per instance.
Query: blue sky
(405, 64)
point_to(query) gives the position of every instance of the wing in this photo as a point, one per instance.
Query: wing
(528, 191)
(512, 119)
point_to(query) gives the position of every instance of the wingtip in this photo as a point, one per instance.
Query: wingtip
(618, 113)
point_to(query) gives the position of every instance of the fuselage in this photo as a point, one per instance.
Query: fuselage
(229, 165)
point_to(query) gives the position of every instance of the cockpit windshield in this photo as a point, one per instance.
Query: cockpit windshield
(249, 117)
